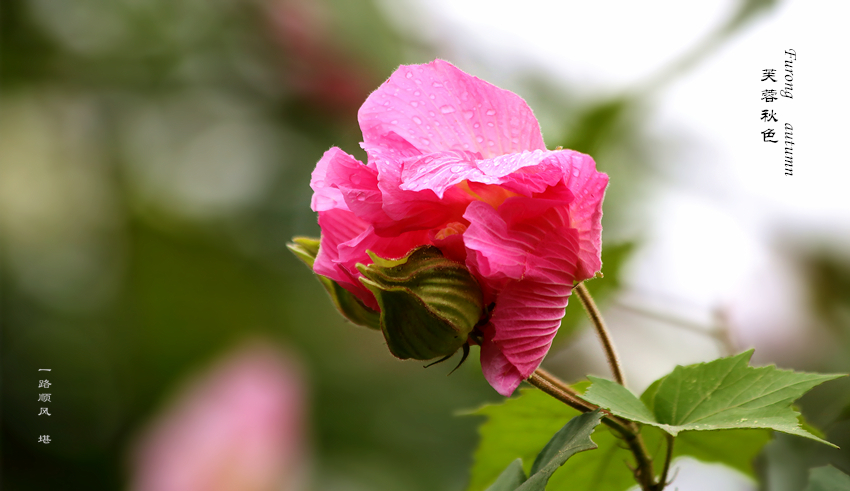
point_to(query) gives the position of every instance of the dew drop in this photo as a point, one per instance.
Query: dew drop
(425, 141)
(417, 120)
(468, 114)
(479, 139)
(457, 168)
(476, 125)
(417, 93)
(490, 124)
(395, 121)
(491, 143)
(466, 145)
(432, 96)
(414, 103)
(437, 84)
(491, 112)
(447, 109)
(409, 75)
(431, 113)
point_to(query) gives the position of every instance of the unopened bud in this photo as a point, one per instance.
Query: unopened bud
(429, 304)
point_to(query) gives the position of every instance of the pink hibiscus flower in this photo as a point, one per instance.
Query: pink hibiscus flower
(460, 164)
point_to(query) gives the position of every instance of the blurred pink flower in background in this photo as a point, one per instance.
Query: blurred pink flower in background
(238, 427)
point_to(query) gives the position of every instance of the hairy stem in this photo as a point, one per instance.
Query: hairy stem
(627, 430)
(602, 331)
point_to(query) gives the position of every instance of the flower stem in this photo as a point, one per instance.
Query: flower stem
(602, 331)
(662, 483)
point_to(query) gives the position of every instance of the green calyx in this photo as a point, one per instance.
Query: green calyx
(429, 304)
(306, 249)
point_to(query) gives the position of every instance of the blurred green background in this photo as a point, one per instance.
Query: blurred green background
(156, 158)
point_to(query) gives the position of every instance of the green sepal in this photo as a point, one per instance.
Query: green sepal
(306, 249)
(429, 304)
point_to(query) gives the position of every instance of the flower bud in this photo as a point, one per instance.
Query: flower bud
(429, 304)
(306, 249)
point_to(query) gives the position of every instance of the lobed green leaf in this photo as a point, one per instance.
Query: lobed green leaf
(719, 395)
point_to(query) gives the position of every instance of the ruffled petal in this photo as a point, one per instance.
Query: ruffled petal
(588, 186)
(528, 312)
(526, 254)
(499, 372)
(325, 195)
(358, 186)
(410, 210)
(339, 227)
(436, 107)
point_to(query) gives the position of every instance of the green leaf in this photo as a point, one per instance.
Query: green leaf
(510, 479)
(828, 478)
(573, 438)
(719, 395)
(734, 448)
(520, 427)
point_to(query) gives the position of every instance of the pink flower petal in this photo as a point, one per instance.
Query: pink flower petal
(410, 210)
(438, 107)
(339, 227)
(358, 186)
(326, 196)
(588, 186)
(527, 256)
(499, 372)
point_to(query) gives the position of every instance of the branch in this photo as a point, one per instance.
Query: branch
(602, 331)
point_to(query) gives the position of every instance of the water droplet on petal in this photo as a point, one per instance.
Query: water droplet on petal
(479, 139)
(447, 109)
(491, 143)
(425, 141)
(417, 93)
(409, 75)
(457, 168)
(432, 96)
(414, 103)
(466, 145)
(490, 125)
(468, 114)
(431, 113)
(395, 121)
(476, 125)
(491, 112)
(437, 84)
(417, 120)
